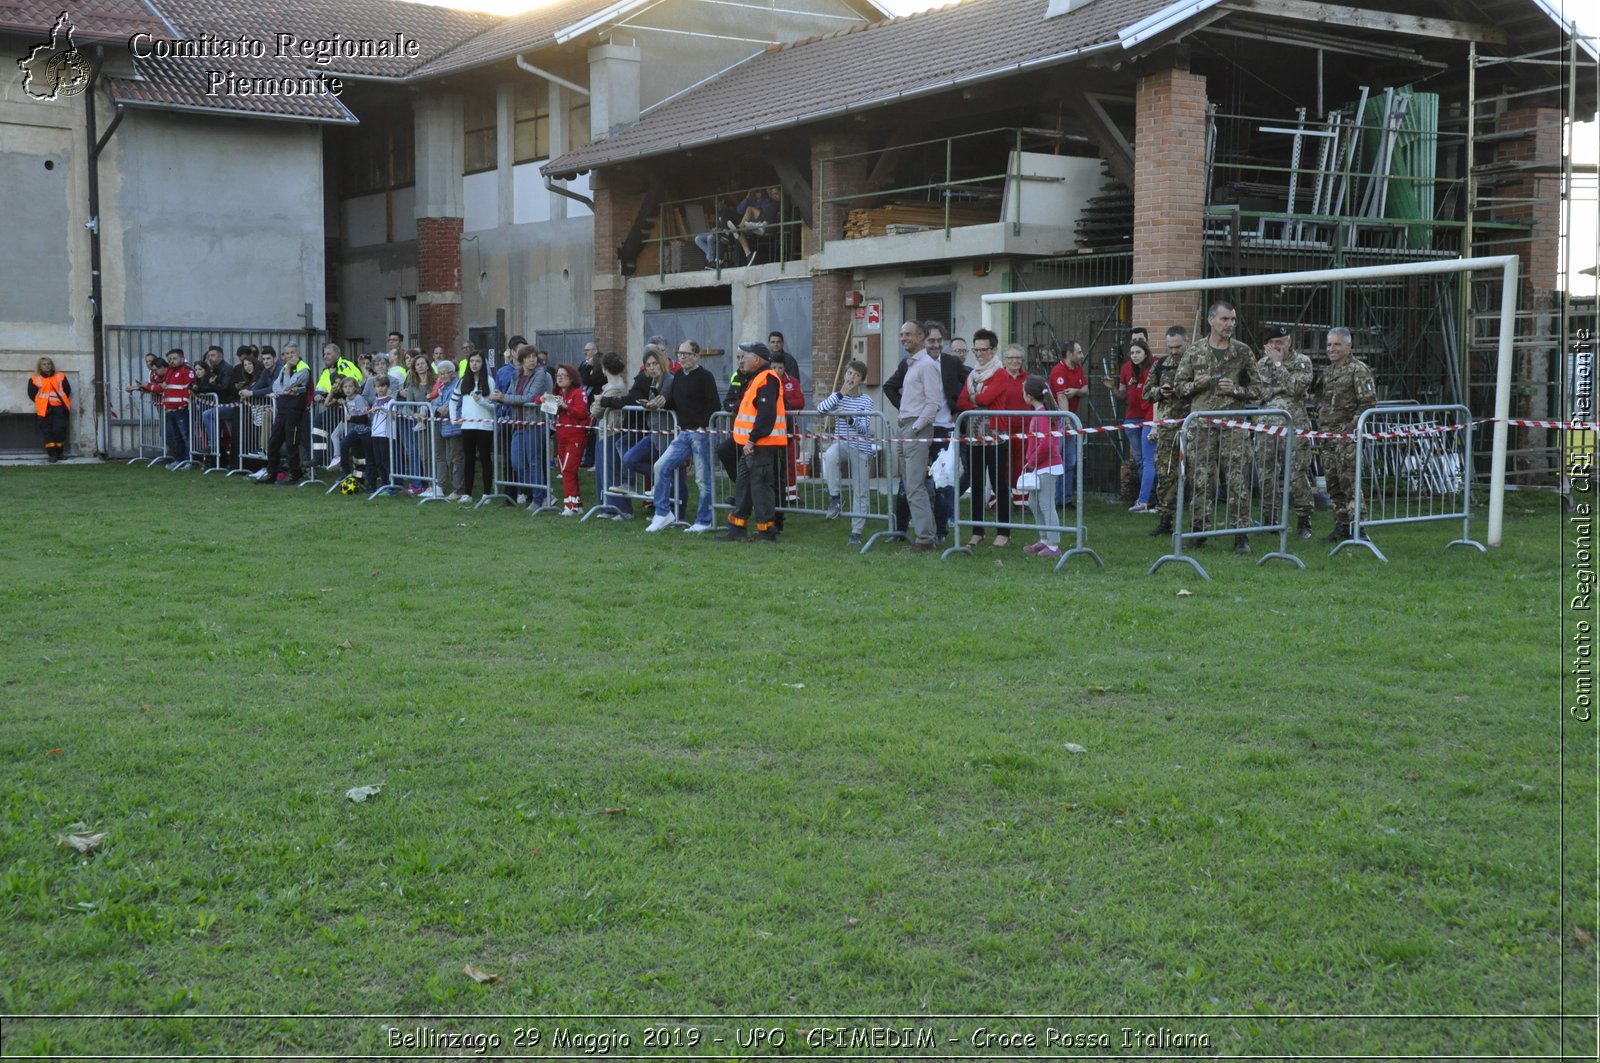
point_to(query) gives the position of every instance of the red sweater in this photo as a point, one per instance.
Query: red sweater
(1002, 391)
(572, 423)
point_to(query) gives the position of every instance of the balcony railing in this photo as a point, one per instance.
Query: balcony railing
(957, 189)
(692, 234)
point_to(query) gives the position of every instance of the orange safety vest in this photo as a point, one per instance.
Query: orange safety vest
(50, 392)
(745, 419)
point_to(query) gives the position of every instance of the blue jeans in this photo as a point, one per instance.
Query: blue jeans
(687, 445)
(178, 434)
(528, 462)
(608, 471)
(1139, 442)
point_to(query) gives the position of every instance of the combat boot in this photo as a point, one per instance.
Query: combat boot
(1304, 531)
(1340, 533)
(1241, 544)
(1163, 527)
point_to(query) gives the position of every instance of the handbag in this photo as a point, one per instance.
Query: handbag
(1028, 480)
(944, 470)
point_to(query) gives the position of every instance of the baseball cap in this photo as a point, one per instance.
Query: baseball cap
(758, 349)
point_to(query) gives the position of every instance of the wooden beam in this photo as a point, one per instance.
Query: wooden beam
(1338, 15)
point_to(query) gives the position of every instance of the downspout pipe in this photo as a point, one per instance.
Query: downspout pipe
(550, 184)
(96, 291)
(571, 86)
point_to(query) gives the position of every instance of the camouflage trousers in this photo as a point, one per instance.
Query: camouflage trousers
(1339, 466)
(1269, 466)
(1219, 453)
(1166, 491)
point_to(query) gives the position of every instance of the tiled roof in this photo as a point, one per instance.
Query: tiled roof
(94, 22)
(435, 29)
(182, 85)
(858, 69)
(521, 33)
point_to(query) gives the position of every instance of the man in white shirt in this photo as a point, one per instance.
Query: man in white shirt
(922, 405)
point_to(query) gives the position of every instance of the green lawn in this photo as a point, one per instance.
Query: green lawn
(663, 776)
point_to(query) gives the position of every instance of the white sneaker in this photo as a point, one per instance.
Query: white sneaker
(433, 492)
(259, 474)
(465, 500)
(661, 520)
(697, 529)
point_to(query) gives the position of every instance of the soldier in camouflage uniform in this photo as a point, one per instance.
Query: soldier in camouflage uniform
(1285, 381)
(1219, 373)
(1159, 389)
(1347, 389)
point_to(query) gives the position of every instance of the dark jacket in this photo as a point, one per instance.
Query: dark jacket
(693, 397)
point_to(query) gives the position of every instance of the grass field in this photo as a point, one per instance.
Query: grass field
(662, 776)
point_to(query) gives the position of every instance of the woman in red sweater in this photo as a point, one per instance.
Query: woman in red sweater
(572, 433)
(990, 387)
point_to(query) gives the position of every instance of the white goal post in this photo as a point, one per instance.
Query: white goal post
(1507, 264)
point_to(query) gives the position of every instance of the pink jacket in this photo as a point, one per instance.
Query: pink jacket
(1042, 453)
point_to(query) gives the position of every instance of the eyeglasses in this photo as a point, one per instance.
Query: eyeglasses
(982, 350)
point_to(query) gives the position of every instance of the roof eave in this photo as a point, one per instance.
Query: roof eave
(556, 171)
(223, 112)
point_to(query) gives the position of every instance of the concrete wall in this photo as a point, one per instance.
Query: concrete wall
(218, 222)
(204, 221)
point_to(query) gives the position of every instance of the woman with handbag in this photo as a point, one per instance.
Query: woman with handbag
(1042, 466)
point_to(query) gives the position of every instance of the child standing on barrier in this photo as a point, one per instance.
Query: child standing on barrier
(1042, 459)
(572, 433)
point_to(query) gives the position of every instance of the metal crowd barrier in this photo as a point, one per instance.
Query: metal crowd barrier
(1223, 438)
(206, 428)
(1413, 465)
(415, 453)
(522, 456)
(252, 429)
(638, 425)
(326, 424)
(996, 443)
(818, 454)
(141, 427)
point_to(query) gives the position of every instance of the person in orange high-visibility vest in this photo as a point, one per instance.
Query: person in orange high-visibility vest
(761, 434)
(51, 393)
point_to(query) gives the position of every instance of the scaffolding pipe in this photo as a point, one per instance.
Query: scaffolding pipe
(1509, 265)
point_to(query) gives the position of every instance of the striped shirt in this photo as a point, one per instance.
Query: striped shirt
(852, 421)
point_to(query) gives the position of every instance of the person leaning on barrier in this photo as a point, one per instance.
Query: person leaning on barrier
(922, 406)
(761, 432)
(605, 409)
(1160, 388)
(853, 442)
(530, 429)
(990, 387)
(449, 430)
(1346, 390)
(693, 399)
(1285, 380)
(333, 366)
(51, 394)
(289, 388)
(215, 377)
(1218, 373)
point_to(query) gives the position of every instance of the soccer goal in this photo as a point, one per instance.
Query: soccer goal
(1373, 335)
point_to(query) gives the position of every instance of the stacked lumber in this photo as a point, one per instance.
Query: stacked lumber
(910, 217)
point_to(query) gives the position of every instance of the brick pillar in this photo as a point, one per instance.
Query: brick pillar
(616, 204)
(439, 282)
(1169, 194)
(1536, 202)
(830, 318)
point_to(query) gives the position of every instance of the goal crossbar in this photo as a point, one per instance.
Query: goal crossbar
(1509, 265)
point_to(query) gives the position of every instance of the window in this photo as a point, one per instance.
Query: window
(479, 141)
(378, 155)
(532, 121)
(578, 122)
